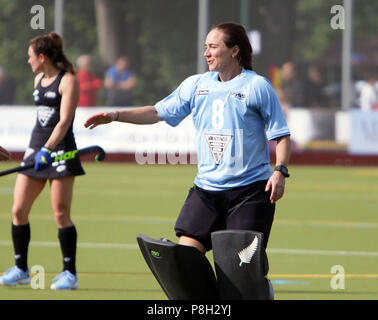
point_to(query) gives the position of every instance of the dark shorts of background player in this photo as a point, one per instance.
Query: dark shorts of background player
(242, 208)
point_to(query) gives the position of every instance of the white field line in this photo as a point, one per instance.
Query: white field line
(99, 245)
(323, 252)
(171, 220)
(100, 218)
(327, 224)
(92, 245)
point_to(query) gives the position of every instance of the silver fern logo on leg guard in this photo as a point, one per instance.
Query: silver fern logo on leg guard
(247, 253)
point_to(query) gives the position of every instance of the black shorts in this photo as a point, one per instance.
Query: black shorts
(242, 208)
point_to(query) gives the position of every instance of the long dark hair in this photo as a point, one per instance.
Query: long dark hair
(51, 45)
(235, 34)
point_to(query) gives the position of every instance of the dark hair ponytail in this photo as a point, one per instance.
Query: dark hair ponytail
(235, 34)
(51, 45)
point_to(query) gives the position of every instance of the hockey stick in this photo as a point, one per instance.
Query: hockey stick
(69, 155)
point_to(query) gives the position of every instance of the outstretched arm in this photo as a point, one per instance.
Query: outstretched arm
(142, 115)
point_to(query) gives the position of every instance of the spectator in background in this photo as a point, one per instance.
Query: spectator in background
(314, 89)
(4, 154)
(369, 94)
(292, 89)
(6, 88)
(89, 82)
(119, 83)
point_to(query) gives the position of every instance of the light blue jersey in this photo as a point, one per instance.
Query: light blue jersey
(233, 121)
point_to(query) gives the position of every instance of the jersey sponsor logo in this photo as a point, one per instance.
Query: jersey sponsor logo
(36, 95)
(247, 253)
(202, 91)
(217, 144)
(44, 114)
(58, 158)
(238, 95)
(50, 95)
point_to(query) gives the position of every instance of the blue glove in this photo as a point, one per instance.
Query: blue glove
(42, 159)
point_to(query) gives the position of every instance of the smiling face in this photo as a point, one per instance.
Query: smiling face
(218, 56)
(35, 62)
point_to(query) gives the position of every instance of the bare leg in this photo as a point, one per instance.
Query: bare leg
(61, 199)
(26, 191)
(187, 241)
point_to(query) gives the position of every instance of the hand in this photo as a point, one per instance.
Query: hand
(276, 184)
(4, 154)
(101, 118)
(42, 159)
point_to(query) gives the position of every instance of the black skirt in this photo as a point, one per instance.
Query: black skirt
(62, 168)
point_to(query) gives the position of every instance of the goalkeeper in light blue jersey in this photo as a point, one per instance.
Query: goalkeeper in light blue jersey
(235, 112)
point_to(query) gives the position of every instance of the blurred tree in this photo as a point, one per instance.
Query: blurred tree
(167, 50)
(80, 30)
(160, 37)
(157, 37)
(109, 29)
(313, 30)
(275, 19)
(314, 33)
(15, 34)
